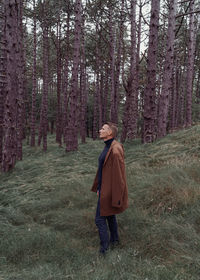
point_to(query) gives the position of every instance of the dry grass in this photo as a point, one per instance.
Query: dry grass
(47, 212)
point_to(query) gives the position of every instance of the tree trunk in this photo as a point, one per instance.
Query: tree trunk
(101, 80)
(198, 96)
(119, 60)
(45, 88)
(105, 95)
(190, 65)
(149, 122)
(2, 76)
(113, 97)
(174, 93)
(95, 125)
(168, 69)
(182, 98)
(96, 111)
(58, 113)
(137, 84)
(34, 80)
(177, 102)
(72, 131)
(12, 12)
(21, 71)
(66, 78)
(83, 89)
(44, 105)
(129, 129)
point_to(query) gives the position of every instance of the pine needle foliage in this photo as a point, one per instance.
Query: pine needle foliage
(47, 228)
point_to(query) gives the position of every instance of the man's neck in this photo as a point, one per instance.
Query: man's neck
(108, 138)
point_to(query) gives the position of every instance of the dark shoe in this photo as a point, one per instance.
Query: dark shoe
(114, 244)
(102, 251)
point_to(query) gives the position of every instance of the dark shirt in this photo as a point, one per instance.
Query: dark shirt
(101, 161)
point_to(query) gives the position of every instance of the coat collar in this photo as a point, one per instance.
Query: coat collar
(108, 153)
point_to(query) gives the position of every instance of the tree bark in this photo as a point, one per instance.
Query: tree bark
(119, 60)
(129, 129)
(105, 95)
(167, 72)
(198, 95)
(72, 129)
(133, 90)
(21, 81)
(190, 65)
(113, 97)
(34, 79)
(83, 89)
(44, 106)
(59, 111)
(2, 76)
(149, 122)
(12, 12)
(66, 78)
(96, 111)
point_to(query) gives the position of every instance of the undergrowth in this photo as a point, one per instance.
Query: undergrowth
(47, 228)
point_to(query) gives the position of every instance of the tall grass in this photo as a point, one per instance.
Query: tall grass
(47, 228)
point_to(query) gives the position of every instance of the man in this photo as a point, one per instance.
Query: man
(110, 186)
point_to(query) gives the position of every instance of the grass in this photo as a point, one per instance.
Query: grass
(47, 228)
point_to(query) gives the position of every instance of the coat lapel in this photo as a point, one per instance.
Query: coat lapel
(108, 153)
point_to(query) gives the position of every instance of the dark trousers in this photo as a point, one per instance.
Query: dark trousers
(101, 223)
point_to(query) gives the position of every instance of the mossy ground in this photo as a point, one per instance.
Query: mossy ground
(47, 229)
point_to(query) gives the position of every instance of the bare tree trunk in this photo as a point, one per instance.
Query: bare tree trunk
(83, 89)
(101, 80)
(198, 94)
(105, 95)
(149, 131)
(129, 129)
(2, 76)
(66, 78)
(96, 111)
(133, 90)
(190, 65)
(182, 98)
(125, 115)
(119, 59)
(72, 131)
(95, 108)
(44, 105)
(45, 89)
(34, 80)
(113, 97)
(58, 113)
(168, 69)
(12, 11)
(177, 110)
(174, 93)
(20, 101)
(139, 31)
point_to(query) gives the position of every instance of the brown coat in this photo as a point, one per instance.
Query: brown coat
(114, 192)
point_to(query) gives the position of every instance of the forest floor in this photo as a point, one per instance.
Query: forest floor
(47, 229)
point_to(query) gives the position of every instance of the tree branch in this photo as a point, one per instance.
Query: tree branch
(189, 13)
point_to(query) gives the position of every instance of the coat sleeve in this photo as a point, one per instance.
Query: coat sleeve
(118, 180)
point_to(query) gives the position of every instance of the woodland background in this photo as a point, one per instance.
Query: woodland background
(66, 67)
(69, 66)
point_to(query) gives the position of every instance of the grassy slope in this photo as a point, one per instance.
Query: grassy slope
(47, 212)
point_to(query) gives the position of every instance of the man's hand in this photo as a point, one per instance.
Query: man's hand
(97, 193)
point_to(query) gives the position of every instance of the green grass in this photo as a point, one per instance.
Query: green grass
(47, 229)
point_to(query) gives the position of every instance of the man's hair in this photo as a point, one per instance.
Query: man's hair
(113, 127)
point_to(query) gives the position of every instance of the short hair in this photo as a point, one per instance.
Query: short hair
(113, 127)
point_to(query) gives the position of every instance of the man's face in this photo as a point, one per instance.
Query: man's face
(105, 132)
